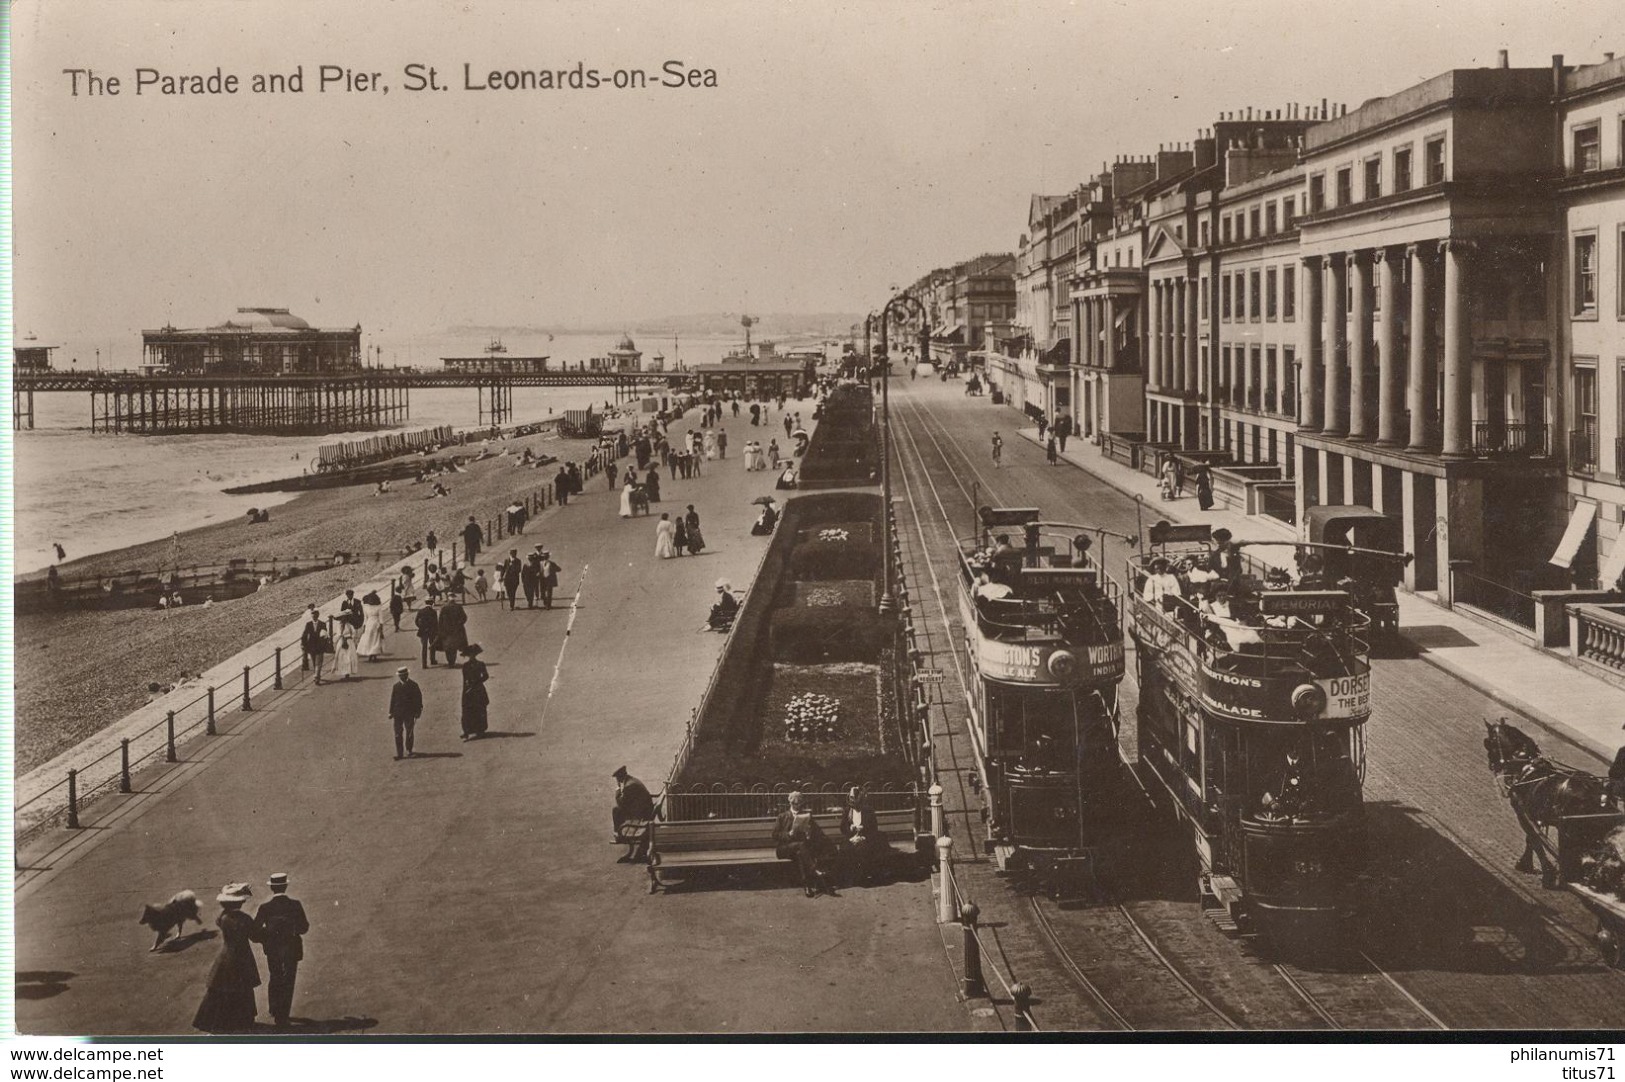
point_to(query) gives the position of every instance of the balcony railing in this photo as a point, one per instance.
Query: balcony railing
(1254, 398)
(1583, 451)
(1599, 635)
(1512, 439)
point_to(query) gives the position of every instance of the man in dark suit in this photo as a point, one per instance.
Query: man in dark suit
(405, 707)
(473, 540)
(633, 810)
(315, 642)
(550, 578)
(279, 926)
(428, 625)
(350, 610)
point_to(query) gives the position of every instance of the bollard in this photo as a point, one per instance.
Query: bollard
(73, 800)
(938, 828)
(277, 682)
(169, 737)
(945, 893)
(246, 704)
(971, 984)
(499, 527)
(1022, 997)
(209, 727)
(489, 533)
(454, 554)
(124, 765)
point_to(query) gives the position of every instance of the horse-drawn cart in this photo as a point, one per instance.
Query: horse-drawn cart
(1574, 828)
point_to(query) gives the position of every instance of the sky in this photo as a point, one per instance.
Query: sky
(845, 148)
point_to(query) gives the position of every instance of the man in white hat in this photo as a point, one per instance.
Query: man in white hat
(279, 926)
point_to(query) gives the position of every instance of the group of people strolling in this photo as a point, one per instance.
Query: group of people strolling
(674, 537)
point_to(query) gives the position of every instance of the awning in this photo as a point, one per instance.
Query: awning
(1059, 353)
(1609, 579)
(949, 334)
(1580, 519)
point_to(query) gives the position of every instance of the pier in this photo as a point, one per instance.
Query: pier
(159, 404)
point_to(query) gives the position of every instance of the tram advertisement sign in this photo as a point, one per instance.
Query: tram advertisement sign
(1347, 696)
(1302, 602)
(1041, 665)
(1010, 661)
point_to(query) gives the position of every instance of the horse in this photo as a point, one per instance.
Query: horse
(1541, 791)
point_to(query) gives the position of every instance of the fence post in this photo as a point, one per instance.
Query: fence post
(1022, 996)
(945, 892)
(935, 795)
(972, 983)
(73, 800)
(277, 681)
(454, 554)
(124, 765)
(169, 737)
(490, 533)
(246, 704)
(210, 727)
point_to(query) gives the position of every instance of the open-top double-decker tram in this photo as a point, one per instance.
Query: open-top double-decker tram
(1253, 698)
(1044, 635)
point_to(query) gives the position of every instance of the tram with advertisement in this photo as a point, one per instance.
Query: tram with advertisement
(1044, 636)
(1254, 696)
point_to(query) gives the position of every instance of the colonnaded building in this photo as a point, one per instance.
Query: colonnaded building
(1416, 305)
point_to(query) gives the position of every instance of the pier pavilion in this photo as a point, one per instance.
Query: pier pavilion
(254, 342)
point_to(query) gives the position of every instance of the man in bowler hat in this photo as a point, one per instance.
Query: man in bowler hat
(405, 706)
(279, 926)
(428, 625)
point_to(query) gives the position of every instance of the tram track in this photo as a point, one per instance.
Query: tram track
(1087, 944)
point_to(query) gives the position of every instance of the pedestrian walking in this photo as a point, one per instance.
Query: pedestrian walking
(432, 543)
(1063, 429)
(452, 632)
(370, 642)
(1179, 477)
(550, 579)
(228, 997)
(280, 925)
(346, 662)
(610, 470)
(691, 522)
(512, 572)
(405, 707)
(316, 642)
(397, 606)
(561, 487)
(1042, 425)
(1050, 453)
(665, 535)
(473, 541)
(722, 437)
(651, 484)
(531, 579)
(428, 625)
(679, 539)
(482, 585)
(475, 698)
(1204, 487)
(1165, 478)
(406, 586)
(789, 425)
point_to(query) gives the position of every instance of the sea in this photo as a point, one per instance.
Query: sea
(93, 493)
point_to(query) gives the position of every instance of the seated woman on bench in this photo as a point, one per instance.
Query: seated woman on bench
(798, 837)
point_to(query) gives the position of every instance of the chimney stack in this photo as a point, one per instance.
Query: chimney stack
(1557, 73)
(1501, 60)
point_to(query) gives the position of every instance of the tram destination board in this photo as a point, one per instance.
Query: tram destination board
(1008, 516)
(1302, 602)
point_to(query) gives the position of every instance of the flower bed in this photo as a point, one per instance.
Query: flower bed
(833, 593)
(828, 633)
(859, 531)
(843, 449)
(820, 560)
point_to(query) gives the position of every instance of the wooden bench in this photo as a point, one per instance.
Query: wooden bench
(678, 847)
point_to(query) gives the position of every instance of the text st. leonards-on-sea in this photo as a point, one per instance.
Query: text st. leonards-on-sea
(415, 78)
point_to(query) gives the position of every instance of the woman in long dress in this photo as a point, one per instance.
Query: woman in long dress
(710, 443)
(665, 537)
(475, 699)
(626, 499)
(228, 997)
(679, 535)
(345, 662)
(371, 645)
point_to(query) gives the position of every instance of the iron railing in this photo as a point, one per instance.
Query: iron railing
(1496, 598)
(1583, 451)
(1512, 439)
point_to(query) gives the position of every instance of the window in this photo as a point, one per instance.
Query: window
(1289, 207)
(1224, 228)
(1253, 298)
(1271, 404)
(1373, 178)
(1204, 233)
(1402, 169)
(1433, 155)
(1289, 382)
(1224, 297)
(1583, 442)
(1585, 274)
(1269, 219)
(1269, 293)
(1345, 186)
(1202, 293)
(1289, 292)
(1588, 147)
(1317, 193)
(1179, 233)
(1253, 219)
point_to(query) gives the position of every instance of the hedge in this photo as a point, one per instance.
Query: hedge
(816, 560)
(810, 635)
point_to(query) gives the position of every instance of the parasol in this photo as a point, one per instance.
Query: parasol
(765, 501)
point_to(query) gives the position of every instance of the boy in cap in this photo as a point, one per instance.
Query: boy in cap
(278, 926)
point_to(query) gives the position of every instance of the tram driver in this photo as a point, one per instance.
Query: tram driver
(1287, 800)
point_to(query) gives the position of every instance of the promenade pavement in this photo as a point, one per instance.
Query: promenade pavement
(473, 888)
(1571, 703)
